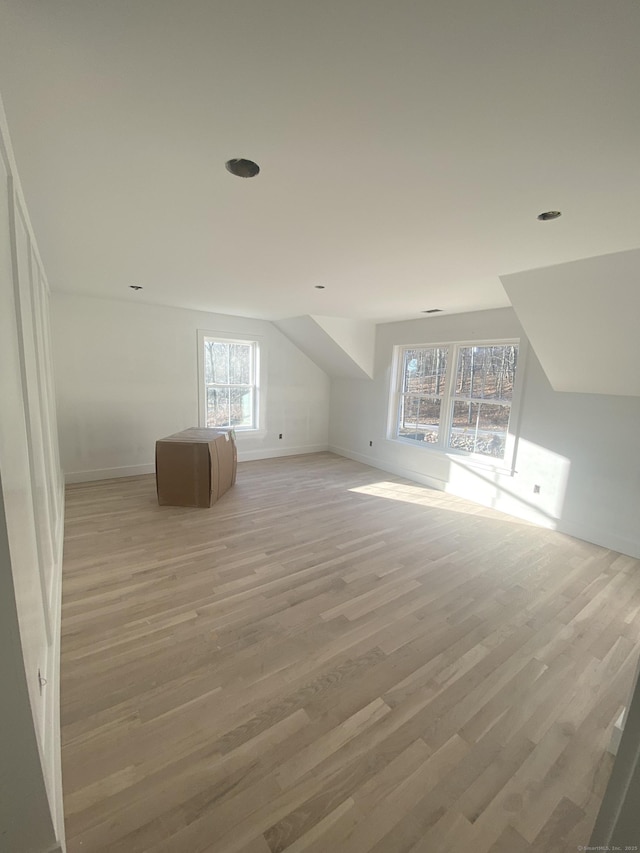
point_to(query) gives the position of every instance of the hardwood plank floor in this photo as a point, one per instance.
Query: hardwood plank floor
(334, 659)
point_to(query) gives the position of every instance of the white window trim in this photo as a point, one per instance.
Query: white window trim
(260, 361)
(441, 448)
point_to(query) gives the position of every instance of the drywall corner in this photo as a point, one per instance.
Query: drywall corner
(342, 347)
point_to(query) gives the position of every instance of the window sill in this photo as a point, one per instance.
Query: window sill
(252, 433)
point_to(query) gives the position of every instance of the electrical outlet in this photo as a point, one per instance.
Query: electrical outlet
(370, 444)
(280, 436)
(536, 489)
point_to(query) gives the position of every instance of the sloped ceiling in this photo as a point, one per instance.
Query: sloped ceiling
(405, 147)
(342, 348)
(582, 319)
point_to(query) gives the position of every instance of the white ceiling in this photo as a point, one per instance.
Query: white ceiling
(406, 147)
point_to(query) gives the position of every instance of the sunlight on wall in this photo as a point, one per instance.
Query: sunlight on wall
(517, 495)
(482, 486)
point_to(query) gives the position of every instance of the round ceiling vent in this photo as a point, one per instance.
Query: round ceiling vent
(242, 168)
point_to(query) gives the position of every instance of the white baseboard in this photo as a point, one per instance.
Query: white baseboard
(616, 734)
(601, 537)
(398, 470)
(274, 452)
(604, 538)
(149, 468)
(108, 473)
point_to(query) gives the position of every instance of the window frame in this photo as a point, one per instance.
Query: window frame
(402, 394)
(255, 342)
(448, 399)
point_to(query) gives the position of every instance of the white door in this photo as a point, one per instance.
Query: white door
(19, 448)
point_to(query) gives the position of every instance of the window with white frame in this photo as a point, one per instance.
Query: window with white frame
(456, 397)
(229, 371)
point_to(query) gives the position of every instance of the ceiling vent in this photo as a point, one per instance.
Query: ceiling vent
(242, 168)
(548, 215)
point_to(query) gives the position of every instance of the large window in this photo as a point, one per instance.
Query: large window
(456, 397)
(230, 383)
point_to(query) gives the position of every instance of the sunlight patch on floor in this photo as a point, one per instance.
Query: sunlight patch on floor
(432, 498)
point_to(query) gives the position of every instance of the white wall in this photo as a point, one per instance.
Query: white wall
(581, 449)
(582, 319)
(126, 375)
(356, 337)
(337, 347)
(31, 520)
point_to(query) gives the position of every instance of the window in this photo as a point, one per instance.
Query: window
(229, 375)
(456, 397)
(424, 372)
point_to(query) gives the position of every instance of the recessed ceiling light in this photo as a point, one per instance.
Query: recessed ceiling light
(432, 311)
(319, 286)
(135, 286)
(242, 168)
(549, 214)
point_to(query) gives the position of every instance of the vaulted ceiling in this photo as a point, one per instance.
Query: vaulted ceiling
(405, 147)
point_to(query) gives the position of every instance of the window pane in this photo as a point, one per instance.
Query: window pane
(424, 370)
(220, 362)
(208, 362)
(239, 364)
(218, 407)
(241, 401)
(480, 428)
(419, 418)
(486, 372)
(229, 386)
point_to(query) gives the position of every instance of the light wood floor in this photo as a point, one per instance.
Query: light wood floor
(334, 659)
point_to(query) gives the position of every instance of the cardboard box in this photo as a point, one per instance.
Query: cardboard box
(195, 467)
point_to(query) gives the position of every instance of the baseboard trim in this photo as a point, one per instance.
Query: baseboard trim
(274, 453)
(137, 470)
(597, 537)
(108, 473)
(603, 538)
(613, 542)
(398, 470)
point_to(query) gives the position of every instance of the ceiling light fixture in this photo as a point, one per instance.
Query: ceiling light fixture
(548, 215)
(242, 168)
(135, 286)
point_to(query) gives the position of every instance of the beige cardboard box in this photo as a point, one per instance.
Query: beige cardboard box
(195, 467)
